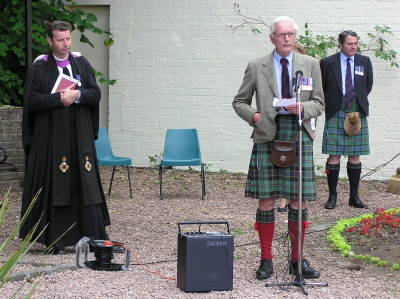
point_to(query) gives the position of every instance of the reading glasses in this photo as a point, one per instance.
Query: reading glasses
(284, 34)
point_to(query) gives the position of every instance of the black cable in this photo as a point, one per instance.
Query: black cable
(282, 277)
(380, 166)
(236, 246)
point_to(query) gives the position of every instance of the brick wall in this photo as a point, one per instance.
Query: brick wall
(179, 65)
(11, 140)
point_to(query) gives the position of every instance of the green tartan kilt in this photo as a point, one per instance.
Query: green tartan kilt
(266, 181)
(336, 142)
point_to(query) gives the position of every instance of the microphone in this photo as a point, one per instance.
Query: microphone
(297, 80)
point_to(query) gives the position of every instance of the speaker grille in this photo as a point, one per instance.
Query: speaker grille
(205, 262)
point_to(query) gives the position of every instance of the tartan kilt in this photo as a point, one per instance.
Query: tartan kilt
(267, 181)
(336, 142)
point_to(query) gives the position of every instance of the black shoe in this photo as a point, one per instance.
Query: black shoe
(306, 269)
(265, 270)
(331, 203)
(356, 202)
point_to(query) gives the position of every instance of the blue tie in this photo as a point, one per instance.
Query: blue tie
(349, 97)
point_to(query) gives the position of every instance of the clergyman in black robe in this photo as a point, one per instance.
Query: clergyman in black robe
(59, 130)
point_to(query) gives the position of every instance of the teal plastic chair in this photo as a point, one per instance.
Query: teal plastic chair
(182, 148)
(105, 157)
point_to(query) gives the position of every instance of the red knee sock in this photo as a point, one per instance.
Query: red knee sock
(294, 238)
(266, 234)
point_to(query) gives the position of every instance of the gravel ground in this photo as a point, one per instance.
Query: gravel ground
(149, 227)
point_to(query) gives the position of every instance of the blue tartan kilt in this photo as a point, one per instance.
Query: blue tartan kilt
(336, 142)
(267, 181)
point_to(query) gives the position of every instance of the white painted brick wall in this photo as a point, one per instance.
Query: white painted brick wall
(179, 65)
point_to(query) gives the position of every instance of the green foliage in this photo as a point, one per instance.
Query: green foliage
(340, 243)
(104, 80)
(317, 46)
(7, 266)
(155, 160)
(320, 169)
(223, 171)
(395, 267)
(207, 167)
(320, 46)
(13, 39)
(238, 232)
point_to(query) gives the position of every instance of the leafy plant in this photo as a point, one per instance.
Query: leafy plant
(155, 160)
(381, 224)
(238, 232)
(13, 39)
(396, 267)
(365, 225)
(320, 169)
(7, 266)
(223, 171)
(207, 167)
(320, 46)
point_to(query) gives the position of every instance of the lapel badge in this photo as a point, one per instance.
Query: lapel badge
(78, 77)
(88, 165)
(359, 70)
(306, 83)
(63, 165)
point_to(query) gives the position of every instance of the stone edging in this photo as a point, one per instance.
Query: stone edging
(43, 269)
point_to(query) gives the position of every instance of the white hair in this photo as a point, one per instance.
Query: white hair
(282, 19)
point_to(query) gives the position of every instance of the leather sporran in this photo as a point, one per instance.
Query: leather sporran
(283, 153)
(352, 123)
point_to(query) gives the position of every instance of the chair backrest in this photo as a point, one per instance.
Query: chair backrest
(182, 144)
(103, 145)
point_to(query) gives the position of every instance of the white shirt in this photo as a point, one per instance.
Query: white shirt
(343, 67)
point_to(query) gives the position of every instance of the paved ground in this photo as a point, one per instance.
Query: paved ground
(149, 227)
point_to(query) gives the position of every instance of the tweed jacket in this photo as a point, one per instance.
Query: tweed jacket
(260, 78)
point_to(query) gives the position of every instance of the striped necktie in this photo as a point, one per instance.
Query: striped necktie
(350, 95)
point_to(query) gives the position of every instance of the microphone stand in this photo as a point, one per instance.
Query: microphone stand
(299, 278)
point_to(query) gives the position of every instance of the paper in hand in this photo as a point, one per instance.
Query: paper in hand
(283, 102)
(64, 81)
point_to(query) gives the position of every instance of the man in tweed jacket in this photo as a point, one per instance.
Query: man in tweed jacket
(267, 182)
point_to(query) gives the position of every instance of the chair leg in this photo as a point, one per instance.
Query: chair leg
(129, 180)
(112, 178)
(203, 182)
(160, 177)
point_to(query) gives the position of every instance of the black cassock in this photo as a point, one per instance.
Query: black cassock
(61, 156)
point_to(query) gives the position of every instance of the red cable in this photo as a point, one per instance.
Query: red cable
(146, 269)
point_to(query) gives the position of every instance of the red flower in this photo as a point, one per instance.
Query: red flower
(351, 229)
(365, 229)
(366, 220)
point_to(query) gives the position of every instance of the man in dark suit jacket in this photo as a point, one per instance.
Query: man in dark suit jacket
(347, 80)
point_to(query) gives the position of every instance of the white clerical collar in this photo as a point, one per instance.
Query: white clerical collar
(60, 59)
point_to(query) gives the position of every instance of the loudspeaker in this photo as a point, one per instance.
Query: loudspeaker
(205, 260)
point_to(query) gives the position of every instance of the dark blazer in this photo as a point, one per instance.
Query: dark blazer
(332, 83)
